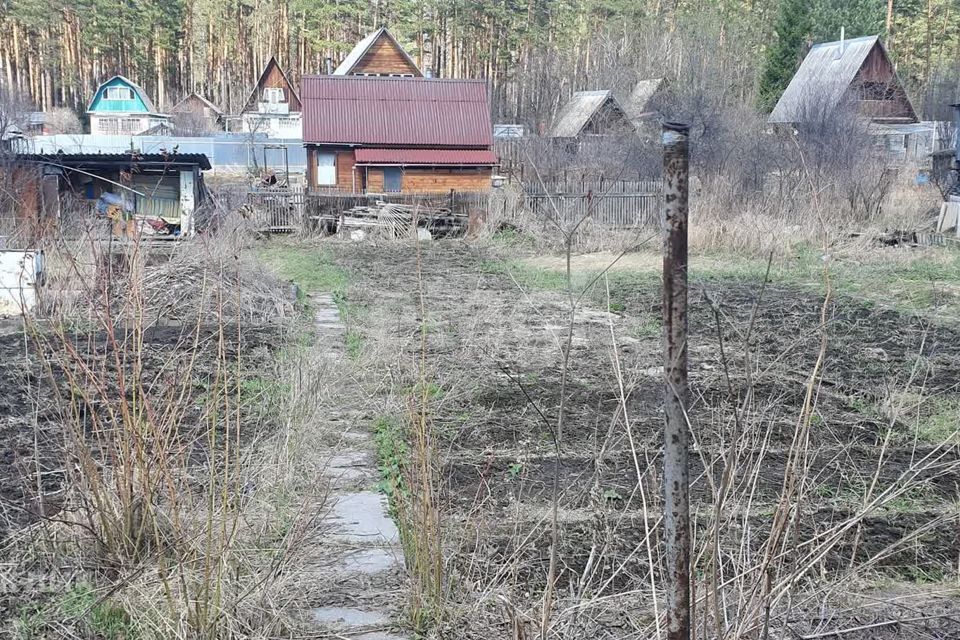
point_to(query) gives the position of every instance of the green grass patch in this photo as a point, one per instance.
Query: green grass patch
(79, 610)
(942, 422)
(311, 268)
(393, 456)
(104, 619)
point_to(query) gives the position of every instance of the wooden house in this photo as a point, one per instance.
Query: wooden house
(410, 135)
(121, 107)
(273, 107)
(857, 72)
(195, 115)
(379, 54)
(591, 113)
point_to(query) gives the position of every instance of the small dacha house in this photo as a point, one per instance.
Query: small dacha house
(591, 113)
(379, 54)
(856, 71)
(121, 107)
(195, 115)
(393, 135)
(273, 107)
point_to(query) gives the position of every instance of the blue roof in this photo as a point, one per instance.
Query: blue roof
(140, 103)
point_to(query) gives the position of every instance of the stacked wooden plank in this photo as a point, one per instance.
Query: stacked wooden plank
(400, 220)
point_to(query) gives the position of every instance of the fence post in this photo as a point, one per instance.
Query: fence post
(676, 474)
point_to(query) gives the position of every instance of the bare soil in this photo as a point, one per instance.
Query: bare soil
(495, 353)
(31, 425)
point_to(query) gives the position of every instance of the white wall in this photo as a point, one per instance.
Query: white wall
(273, 125)
(125, 124)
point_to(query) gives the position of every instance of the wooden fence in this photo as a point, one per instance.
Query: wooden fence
(613, 208)
(277, 210)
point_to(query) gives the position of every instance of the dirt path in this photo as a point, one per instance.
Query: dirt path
(359, 598)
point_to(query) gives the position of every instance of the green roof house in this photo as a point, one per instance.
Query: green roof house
(121, 107)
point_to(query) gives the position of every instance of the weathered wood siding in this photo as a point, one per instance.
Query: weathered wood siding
(384, 57)
(877, 69)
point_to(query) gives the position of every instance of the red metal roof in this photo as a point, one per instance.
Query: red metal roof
(426, 156)
(395, 111)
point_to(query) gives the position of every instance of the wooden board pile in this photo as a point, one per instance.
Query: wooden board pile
(402, 220)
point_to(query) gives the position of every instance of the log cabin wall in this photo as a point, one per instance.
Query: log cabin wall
(384, 58)
(440, 180)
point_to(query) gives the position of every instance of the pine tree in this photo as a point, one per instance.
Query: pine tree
(783, 57)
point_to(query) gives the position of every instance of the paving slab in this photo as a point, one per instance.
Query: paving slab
(362, 518)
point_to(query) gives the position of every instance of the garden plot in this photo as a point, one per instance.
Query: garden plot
(852, 487)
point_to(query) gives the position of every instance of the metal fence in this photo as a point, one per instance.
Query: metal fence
(228, 153)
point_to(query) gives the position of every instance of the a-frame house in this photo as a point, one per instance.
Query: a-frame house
(855, 72)
(379, 54)
(273, 107)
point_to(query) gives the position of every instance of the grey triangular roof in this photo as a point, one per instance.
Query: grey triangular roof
(636, 105)
(206, 102)
(361, 49)
(133, 85)
(823, 78)
(578, 111)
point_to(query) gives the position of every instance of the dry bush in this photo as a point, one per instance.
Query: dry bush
(188, 488)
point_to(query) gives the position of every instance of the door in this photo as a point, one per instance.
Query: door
(392, 178)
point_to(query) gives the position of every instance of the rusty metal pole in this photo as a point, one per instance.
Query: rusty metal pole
(676, 474)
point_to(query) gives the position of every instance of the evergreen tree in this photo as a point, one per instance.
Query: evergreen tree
(784, 56)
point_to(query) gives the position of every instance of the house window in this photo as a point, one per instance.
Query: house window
(289, 122)
(273, 95)
(130, 125)
(326, 169)
(109, 125)
(119, 93)
(392, 179)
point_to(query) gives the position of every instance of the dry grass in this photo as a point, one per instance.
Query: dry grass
(188, 412)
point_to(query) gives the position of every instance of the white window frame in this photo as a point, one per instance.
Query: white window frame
(273, 95)
(111, 93)
(326, 163)
(110, 125)
(130, 125)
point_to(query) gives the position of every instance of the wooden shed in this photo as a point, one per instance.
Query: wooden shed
(397, 135)
(591, 113)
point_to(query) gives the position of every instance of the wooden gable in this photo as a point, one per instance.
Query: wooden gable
(880, 94)
(378, 54)
(386, 57)
(273, 77)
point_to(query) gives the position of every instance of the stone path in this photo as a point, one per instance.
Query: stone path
(365, 580)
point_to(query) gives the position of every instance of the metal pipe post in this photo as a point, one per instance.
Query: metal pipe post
(676, 474)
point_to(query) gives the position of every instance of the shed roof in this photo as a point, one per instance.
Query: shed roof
(150, 161)
(463, 157)
(824, 77)
(362, 47)
(180, 106)
(579, 110)
(637, 104)
(133, 85)
(426, 112)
